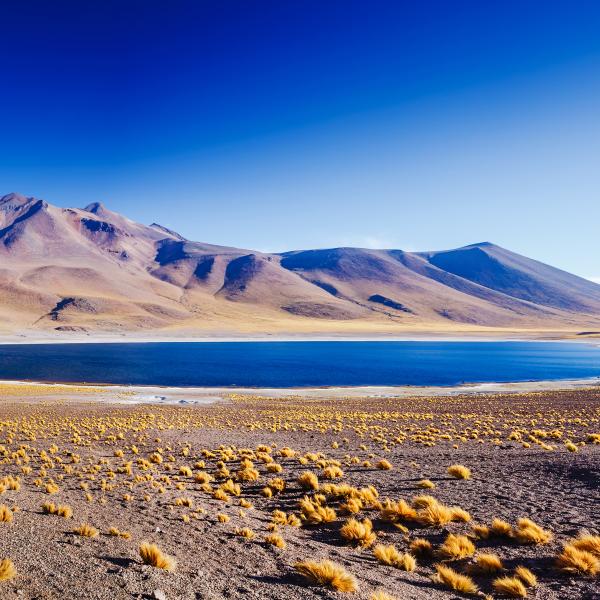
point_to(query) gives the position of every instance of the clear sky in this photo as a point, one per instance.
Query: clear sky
(287, 124)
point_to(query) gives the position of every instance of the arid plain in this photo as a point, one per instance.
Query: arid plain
(415, 497)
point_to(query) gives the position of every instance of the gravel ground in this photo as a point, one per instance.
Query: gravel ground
(557, 488)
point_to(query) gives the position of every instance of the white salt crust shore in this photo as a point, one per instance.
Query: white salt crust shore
(125, 394)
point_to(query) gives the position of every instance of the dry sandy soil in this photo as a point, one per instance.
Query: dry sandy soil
(100, 458)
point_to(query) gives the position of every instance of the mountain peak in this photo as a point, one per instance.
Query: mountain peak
(13, 200)
(95, 208)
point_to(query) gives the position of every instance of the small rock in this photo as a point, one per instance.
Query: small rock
(159, 595)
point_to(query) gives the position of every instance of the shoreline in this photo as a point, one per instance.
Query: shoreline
(38, 338)
(144, 395)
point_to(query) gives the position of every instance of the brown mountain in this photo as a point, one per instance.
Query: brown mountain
(94, 270)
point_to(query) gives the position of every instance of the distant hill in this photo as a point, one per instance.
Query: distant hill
(93, 270)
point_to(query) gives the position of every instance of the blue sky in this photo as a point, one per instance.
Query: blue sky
(282, 125)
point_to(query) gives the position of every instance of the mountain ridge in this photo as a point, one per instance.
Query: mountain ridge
(94, 270)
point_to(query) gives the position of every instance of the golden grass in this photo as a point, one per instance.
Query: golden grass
(384, 465)
(528, 532)
(397, 511)
(459, 472)
(327, 574)
(6, 514)
(381, 595)
(274, 539)
(245, 532)
(152, 555)
(486, 563)
(526, 576)
(574, 561)
(589, 543)
(455, 581)
(421, 547)
(510, 586)
(359, 533)
(456, 547)
(426, 484)
(7, 569)
(500, 528)
(389, 555)
(86, 530)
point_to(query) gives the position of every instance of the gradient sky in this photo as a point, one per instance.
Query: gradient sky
(283, 124)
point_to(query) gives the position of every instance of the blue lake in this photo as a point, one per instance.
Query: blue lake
(299, 364)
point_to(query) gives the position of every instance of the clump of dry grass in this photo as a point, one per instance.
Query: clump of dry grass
(500, 528)
(6, 514)
(313, 513)
(574, 561)
(359, 533)
(274, 539)
(589, 543)
(384, 465)
(245, 532)
(7, 569)
(459, 472)
(397, 511)
(421, 547)
(510, 586)
(526, 576)
(381, 595)
(486, 563)
(456, 547)
(528, 532)
(453, 580)
(64, 511)
(389, 555)
(152, 555)
(426, 484)
(86, 530)
(328, 574)
(114, 531)
(222, 518)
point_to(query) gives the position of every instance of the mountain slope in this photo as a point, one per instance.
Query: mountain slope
(92, 270)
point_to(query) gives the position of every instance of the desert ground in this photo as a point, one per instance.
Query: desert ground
(239, 494)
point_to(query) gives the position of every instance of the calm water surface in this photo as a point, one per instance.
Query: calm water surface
(298, 364)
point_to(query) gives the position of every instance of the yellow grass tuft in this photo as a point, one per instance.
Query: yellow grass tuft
(510, 586)
(453, 580)
(384, 465)
(64, 511)
(500, 528)
(589, 543)
(6, 515)
(456, 547)
(578, 562)
(86, 530)
(397, 511)
(528, 532)
(426, 484)
(222, 518)
(381, 595)
(526, 576)
(152, 555)
(7, 569)
(389, 555)
(245, 532)
(421, 547)
(459, 472)
(328, 574)
(358, 533)
(486, 563)
(274, 539)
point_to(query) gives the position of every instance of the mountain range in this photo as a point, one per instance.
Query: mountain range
(93, 270)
